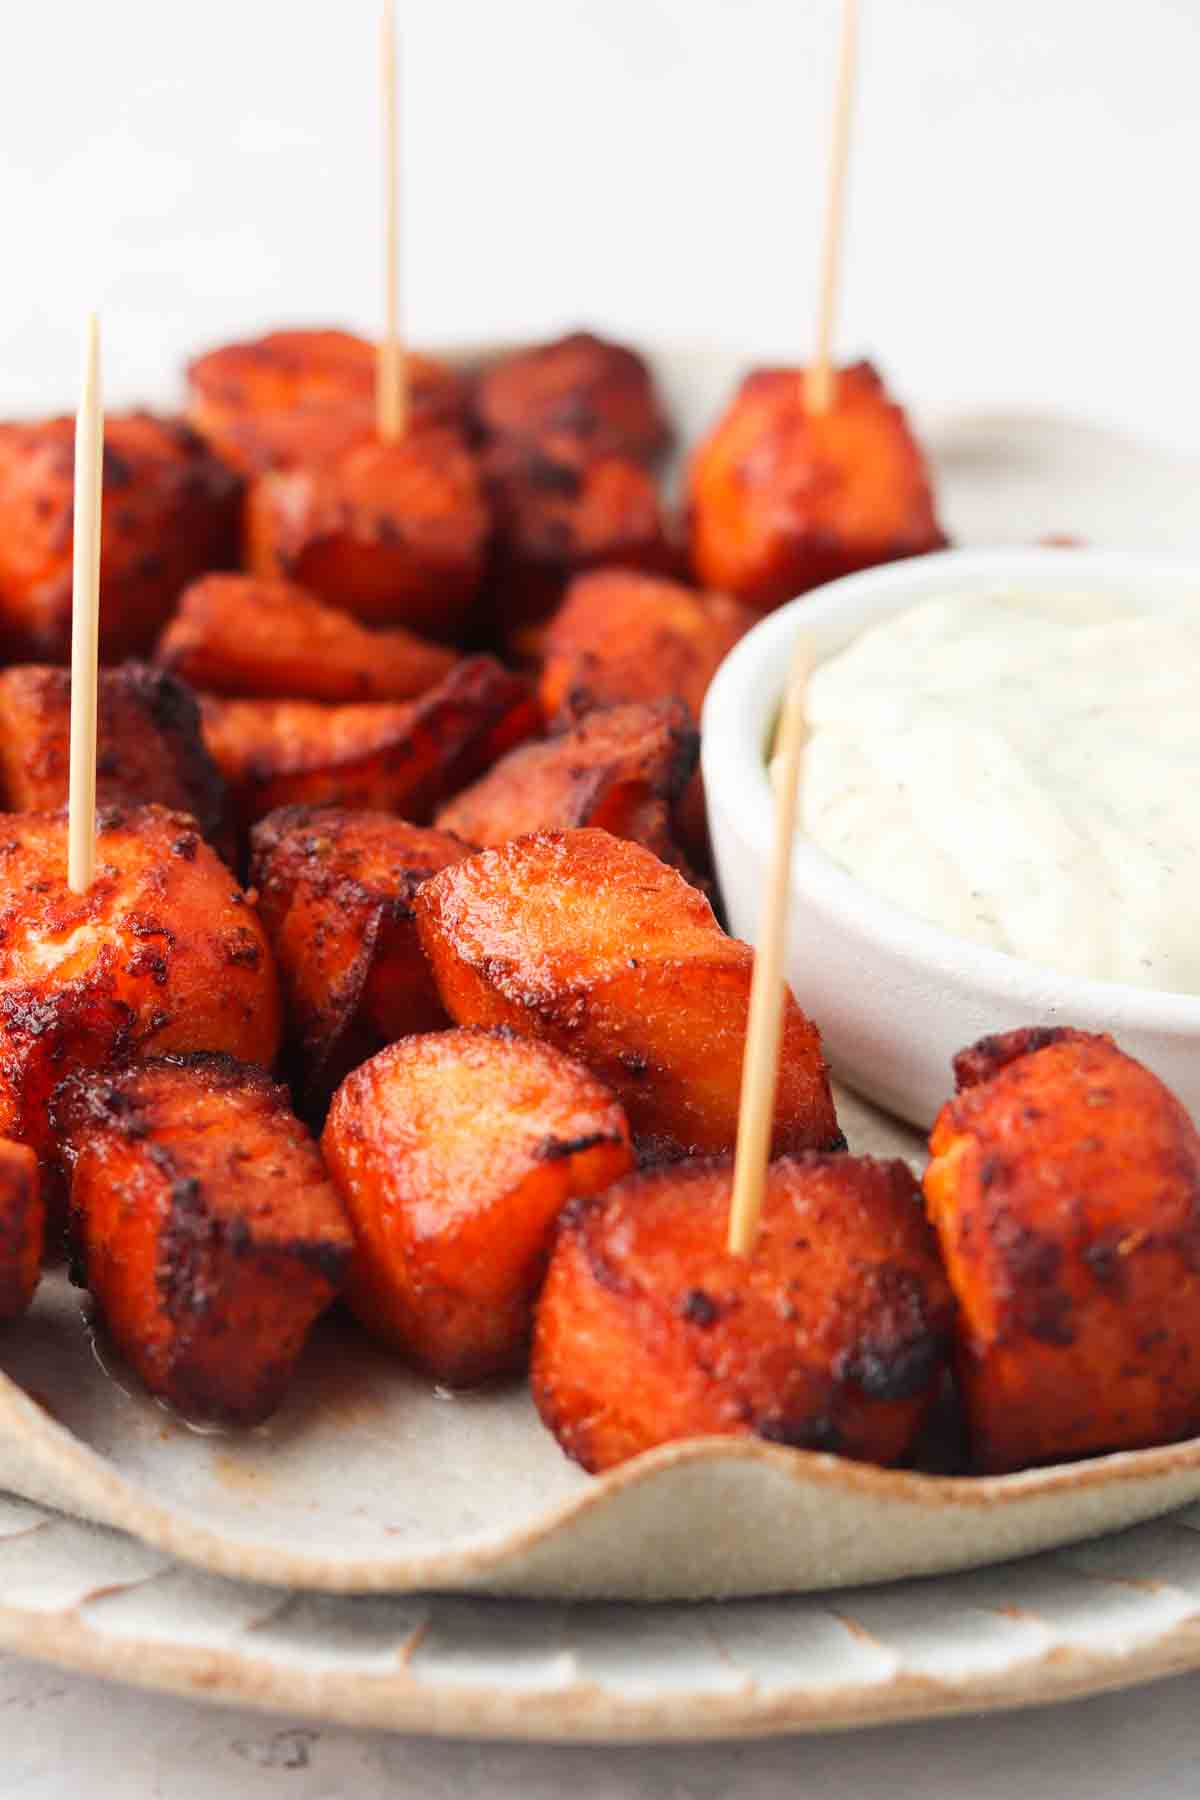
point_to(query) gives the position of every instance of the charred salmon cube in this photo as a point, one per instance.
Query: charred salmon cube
(598, 393)
(831, 1335)
(170, 511)
(22, 1227)
(1064, 1187)
(301, 396)
(237, 636)
(559, 511)
(209, 1232)
(593, 944)
(163, 953)
(781, 498)
(621, 767)
(149, 746)
(404, 758)
(394, 533)
(620, 636)
(335, 892)
(455, 1153)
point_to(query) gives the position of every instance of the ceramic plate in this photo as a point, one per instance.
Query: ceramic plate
(370, 1482)
(1108, 1614)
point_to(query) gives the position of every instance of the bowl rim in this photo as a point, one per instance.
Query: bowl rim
(743, 701)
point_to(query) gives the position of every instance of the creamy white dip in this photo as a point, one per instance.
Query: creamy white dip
(1022, 768)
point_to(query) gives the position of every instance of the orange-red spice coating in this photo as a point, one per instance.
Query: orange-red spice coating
(238, 636)
(300, 396)
(781, 499)
(208, 1230)
(831, 1335)
(169, 512)
(163, 953)
(1065, 1189)
(593, 944)
(336, 890)
(455, 1153)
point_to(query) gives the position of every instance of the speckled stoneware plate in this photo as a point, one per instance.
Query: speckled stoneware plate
(370, 1486)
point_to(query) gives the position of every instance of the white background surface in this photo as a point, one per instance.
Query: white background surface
(1022, 199)
(1022, 232)
(78, 1738)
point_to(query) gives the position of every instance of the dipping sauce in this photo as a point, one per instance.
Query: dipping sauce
(1022, 768)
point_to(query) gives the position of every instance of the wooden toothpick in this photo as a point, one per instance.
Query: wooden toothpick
(819, 376)
(764, 1026)
(391, 376)
(85, 618)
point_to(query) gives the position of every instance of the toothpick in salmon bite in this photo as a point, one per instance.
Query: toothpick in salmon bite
(391, 381)
(819, 377)
(85, 620)
(764, 1026)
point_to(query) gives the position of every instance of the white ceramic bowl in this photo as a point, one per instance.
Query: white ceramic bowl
(896, 997)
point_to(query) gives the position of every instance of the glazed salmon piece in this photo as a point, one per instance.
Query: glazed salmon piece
(621, 767)
(336, 895)
(163, 953)
(781, 498)
(620, 636)
(169, 511)
(599, 393)
(1065, 1189)
(238, 636)
(560, 510)
(593, 944)
(209, 1233)
(299, 396)
(22, 1227)
(455, 1153)
(831, 1335)
(404, 758)
(149, 746)
(394, 533)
